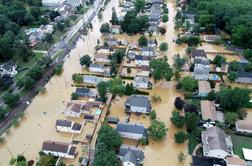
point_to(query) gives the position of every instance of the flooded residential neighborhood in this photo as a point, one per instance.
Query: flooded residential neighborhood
(133, 93)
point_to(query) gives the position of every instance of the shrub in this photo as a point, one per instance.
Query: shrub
(180, 137)
(153, 115)
(58, 69)
(178, 103)
(162, 30)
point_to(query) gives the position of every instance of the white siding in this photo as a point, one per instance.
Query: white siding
(138, 109)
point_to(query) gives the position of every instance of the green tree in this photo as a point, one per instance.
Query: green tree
(114, 20)
(191, 121)
(11, 99)
(129, 89)
(163, 46)
(157, 130)
(106, 158)
(60, 26)
(58, 69)
(3, 112)
(181, 157)
(105, 28)
(188, 84)
(232, 76)
(102, 90)
(231, 118)
(233, 99)
(77, 78)
(85, 60)
(219, 60)
(179, 62)
(177, 120)
(116, 87)
(180, 137)
(36, 72)
(153, 115)
(161, 69)
(234, 66)
(49, 38)
(193, 41)
(128, 70)
(139, 5)
(142, 41)
(113, 67)
(165, 18)
(46, 160)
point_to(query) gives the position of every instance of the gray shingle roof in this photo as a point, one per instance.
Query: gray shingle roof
(139, 154)
(130, 157)
(64, 123)
(140, 79)
(138, 100)
(55, 146)
(95, 65)
(131, 128)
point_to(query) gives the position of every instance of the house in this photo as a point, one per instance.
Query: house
(105, 50)
(68, 126)
(211, 38)
(131, 156)
(204, 88)
(216, 143)
(89, 118)
(75, 109)
(131, 54)
(66, 10)
(138, 104)
(244, 77)
(116, 29)
(59, 19)
(74, 3)
(201, 69)
(47, 29)
(35, 35)
(111, 41)
(151, 43)
(59, 149)
(141, 60)
(196, 53)
(148, 51)
(86, 92)
(52, 3)
(97, 68)
(101, 58)
(157, 1)
(208, 110)
(243, 126)
(112, 119)
(143, 73)
(89, 79)
(235, 161)
(8, 69)
(141, 82)
(132, 131)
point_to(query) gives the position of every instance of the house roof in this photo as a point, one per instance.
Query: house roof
(82, 90)
(147, 49)
(64, 123)
(141, 57)
(138, 101)
(8, 65)
(204, 87)
(75, 107)
(243, 124)
(198, 53)
(245, 74)
(131, 128)
(141, 79)
(235, 161)
(111, 119)
(95, 65)
(130, 157)
(139, 154)
(89, 78)
(208, 110)
(76, 126)
(201, 61)
(214, 138)
(89, 117)
(56, 146)
(247, 153)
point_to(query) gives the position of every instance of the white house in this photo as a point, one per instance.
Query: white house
(148, 51)
(138, 104)
(101, 58)
(216, 143)
(151, 43)
(97, 68)
(52, 3)
(59, 149)
(131, 156)
(142, 60)
(86, 92)
(141, 82)
(201, 69)
(132, 131)
(68, 126)
(8, 68)
(89, 79)
(47, 29)
(105, 50)
(244, 126)
(75, 109)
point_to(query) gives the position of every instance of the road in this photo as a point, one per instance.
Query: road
(61, 45)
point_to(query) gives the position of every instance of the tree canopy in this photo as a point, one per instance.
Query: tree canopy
(161, 69)
(139, 5)
(116, 87)
(177, 119)
(157, 130)
(142, 41)
(105, 28)
(189, 84)
(85, 60)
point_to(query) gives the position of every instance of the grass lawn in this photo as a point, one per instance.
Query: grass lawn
(240, 142)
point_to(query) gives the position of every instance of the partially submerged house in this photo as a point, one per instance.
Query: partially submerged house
(244, 77)
(216, 143)
(132, 131)
(68, 126)
(141, 82)
(201, 69)
(141, 60)
(86, 92)
(111, 119)
(75, 109)
(89, 79)
(243, 126)
(59, 149)
(211, 38)
(151, 43)
(105, 50)
(97, 68)
(208, 110)
(148, 51)
(101, 58)
(116, 29)
(131, 156)
(138, 104)
(204, 88)
(197, 53)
